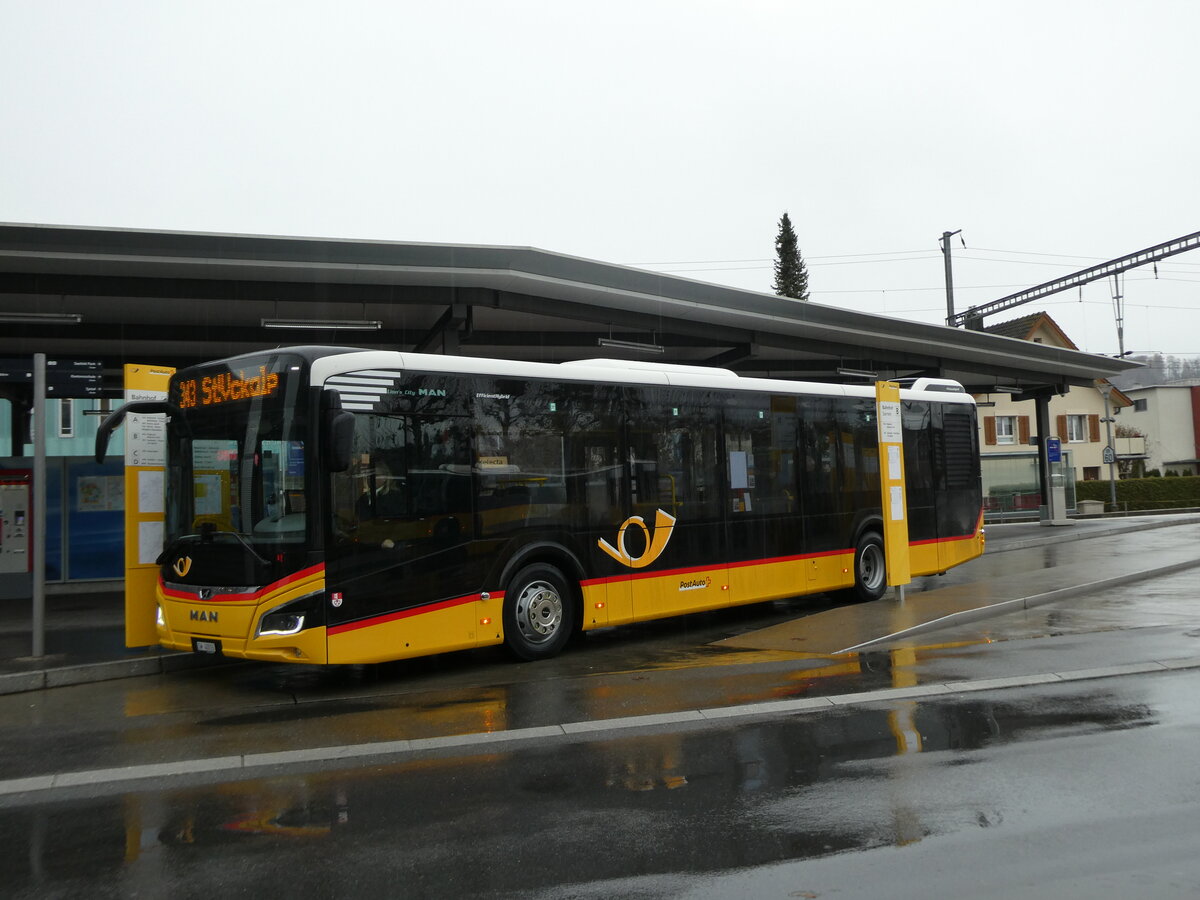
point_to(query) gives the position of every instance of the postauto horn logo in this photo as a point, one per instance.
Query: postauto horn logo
(182, 566)
(664, 525)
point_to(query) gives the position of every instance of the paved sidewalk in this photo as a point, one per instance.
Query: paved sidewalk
(994, 586)
(1019, 535)
(84, 642)
(84, 635)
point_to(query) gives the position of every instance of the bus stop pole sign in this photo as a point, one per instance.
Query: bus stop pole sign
(145, 460)
(891, 483)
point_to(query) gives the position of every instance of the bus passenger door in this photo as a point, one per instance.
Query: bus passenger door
(599, 487)
(762, 499)
(826, 536)
(959, 500)
(673, 539)
(400, 570)
(919, 492)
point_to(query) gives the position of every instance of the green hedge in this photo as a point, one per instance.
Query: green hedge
(1145, 493)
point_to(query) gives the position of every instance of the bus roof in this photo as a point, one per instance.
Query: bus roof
(613, 372)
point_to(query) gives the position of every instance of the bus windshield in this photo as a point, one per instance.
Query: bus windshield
(238, 468)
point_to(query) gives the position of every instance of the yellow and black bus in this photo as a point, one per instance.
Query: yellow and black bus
(332, 505)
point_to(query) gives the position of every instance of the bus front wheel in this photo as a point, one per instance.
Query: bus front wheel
(539, 612)
(870, 571)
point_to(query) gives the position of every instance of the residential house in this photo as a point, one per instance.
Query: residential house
(1080, 419)
(1168, 415)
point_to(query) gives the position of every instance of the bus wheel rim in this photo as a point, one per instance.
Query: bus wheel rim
(870, 566)
(539, 612)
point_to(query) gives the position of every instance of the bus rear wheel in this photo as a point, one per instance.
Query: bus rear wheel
(539, 612)
(870, 571)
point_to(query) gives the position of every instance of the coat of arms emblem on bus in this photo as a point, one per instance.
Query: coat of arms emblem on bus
(664, 525)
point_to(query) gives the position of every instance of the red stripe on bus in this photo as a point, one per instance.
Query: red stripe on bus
(786, 559)
(671, 573)
(945, 540)
(958, 537)
(405, 614)
(190, 596)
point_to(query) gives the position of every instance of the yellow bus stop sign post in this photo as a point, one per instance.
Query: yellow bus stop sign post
(891, 483)
(145, 459)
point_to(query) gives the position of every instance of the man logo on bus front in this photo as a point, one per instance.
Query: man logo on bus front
(664, 525)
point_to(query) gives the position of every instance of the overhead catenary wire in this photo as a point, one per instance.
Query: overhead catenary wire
(1142, 306)
(975, 287)
(865, 298)
(909, 259)
(876, 259)
(700, 262)
(919, 254)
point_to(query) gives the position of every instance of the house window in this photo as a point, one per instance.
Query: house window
(1140, 405)
(1006, 429)
(1077, 429)
(66, 418)
(1091, 473)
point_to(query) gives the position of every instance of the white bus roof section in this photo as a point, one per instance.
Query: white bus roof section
(639, 365)
(361, 378)
(180, 298)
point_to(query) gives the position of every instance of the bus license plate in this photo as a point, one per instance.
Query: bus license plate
(212, 648)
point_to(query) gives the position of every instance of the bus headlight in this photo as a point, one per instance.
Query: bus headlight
(280, 623)
(159, 619)
(291, 617)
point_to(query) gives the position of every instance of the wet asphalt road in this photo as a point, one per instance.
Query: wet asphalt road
(1037, 790)
(1050, 791)
(657, 667)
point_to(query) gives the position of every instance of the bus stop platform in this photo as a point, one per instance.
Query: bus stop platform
(1021, 569)
(84, 630)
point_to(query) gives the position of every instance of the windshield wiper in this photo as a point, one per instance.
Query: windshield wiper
(208, 531)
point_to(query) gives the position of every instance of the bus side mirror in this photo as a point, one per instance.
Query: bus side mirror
(105, 430)
(339, 439)
(142, 407)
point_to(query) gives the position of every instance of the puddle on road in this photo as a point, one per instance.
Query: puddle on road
(716, 800)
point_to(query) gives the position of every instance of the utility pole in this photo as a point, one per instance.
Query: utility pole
(946, 235)
(38, 532)
(1119, 313)
(1110, 453)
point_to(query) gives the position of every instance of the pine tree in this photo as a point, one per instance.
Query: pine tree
(791, 275)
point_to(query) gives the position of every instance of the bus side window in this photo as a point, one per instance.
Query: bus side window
(820, 444)
(760, 440)
(673, 453)
(520, 454)
(409, 481)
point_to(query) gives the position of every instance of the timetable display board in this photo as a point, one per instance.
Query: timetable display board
(145, 463)
(891, 481)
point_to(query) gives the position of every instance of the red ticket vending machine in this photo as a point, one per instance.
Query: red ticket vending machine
(16, 534)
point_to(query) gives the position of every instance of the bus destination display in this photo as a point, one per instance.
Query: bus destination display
(214, 390)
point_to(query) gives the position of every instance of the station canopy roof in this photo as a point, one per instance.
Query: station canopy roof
(174, 298)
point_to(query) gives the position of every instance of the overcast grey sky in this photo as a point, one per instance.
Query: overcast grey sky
(666, 135)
